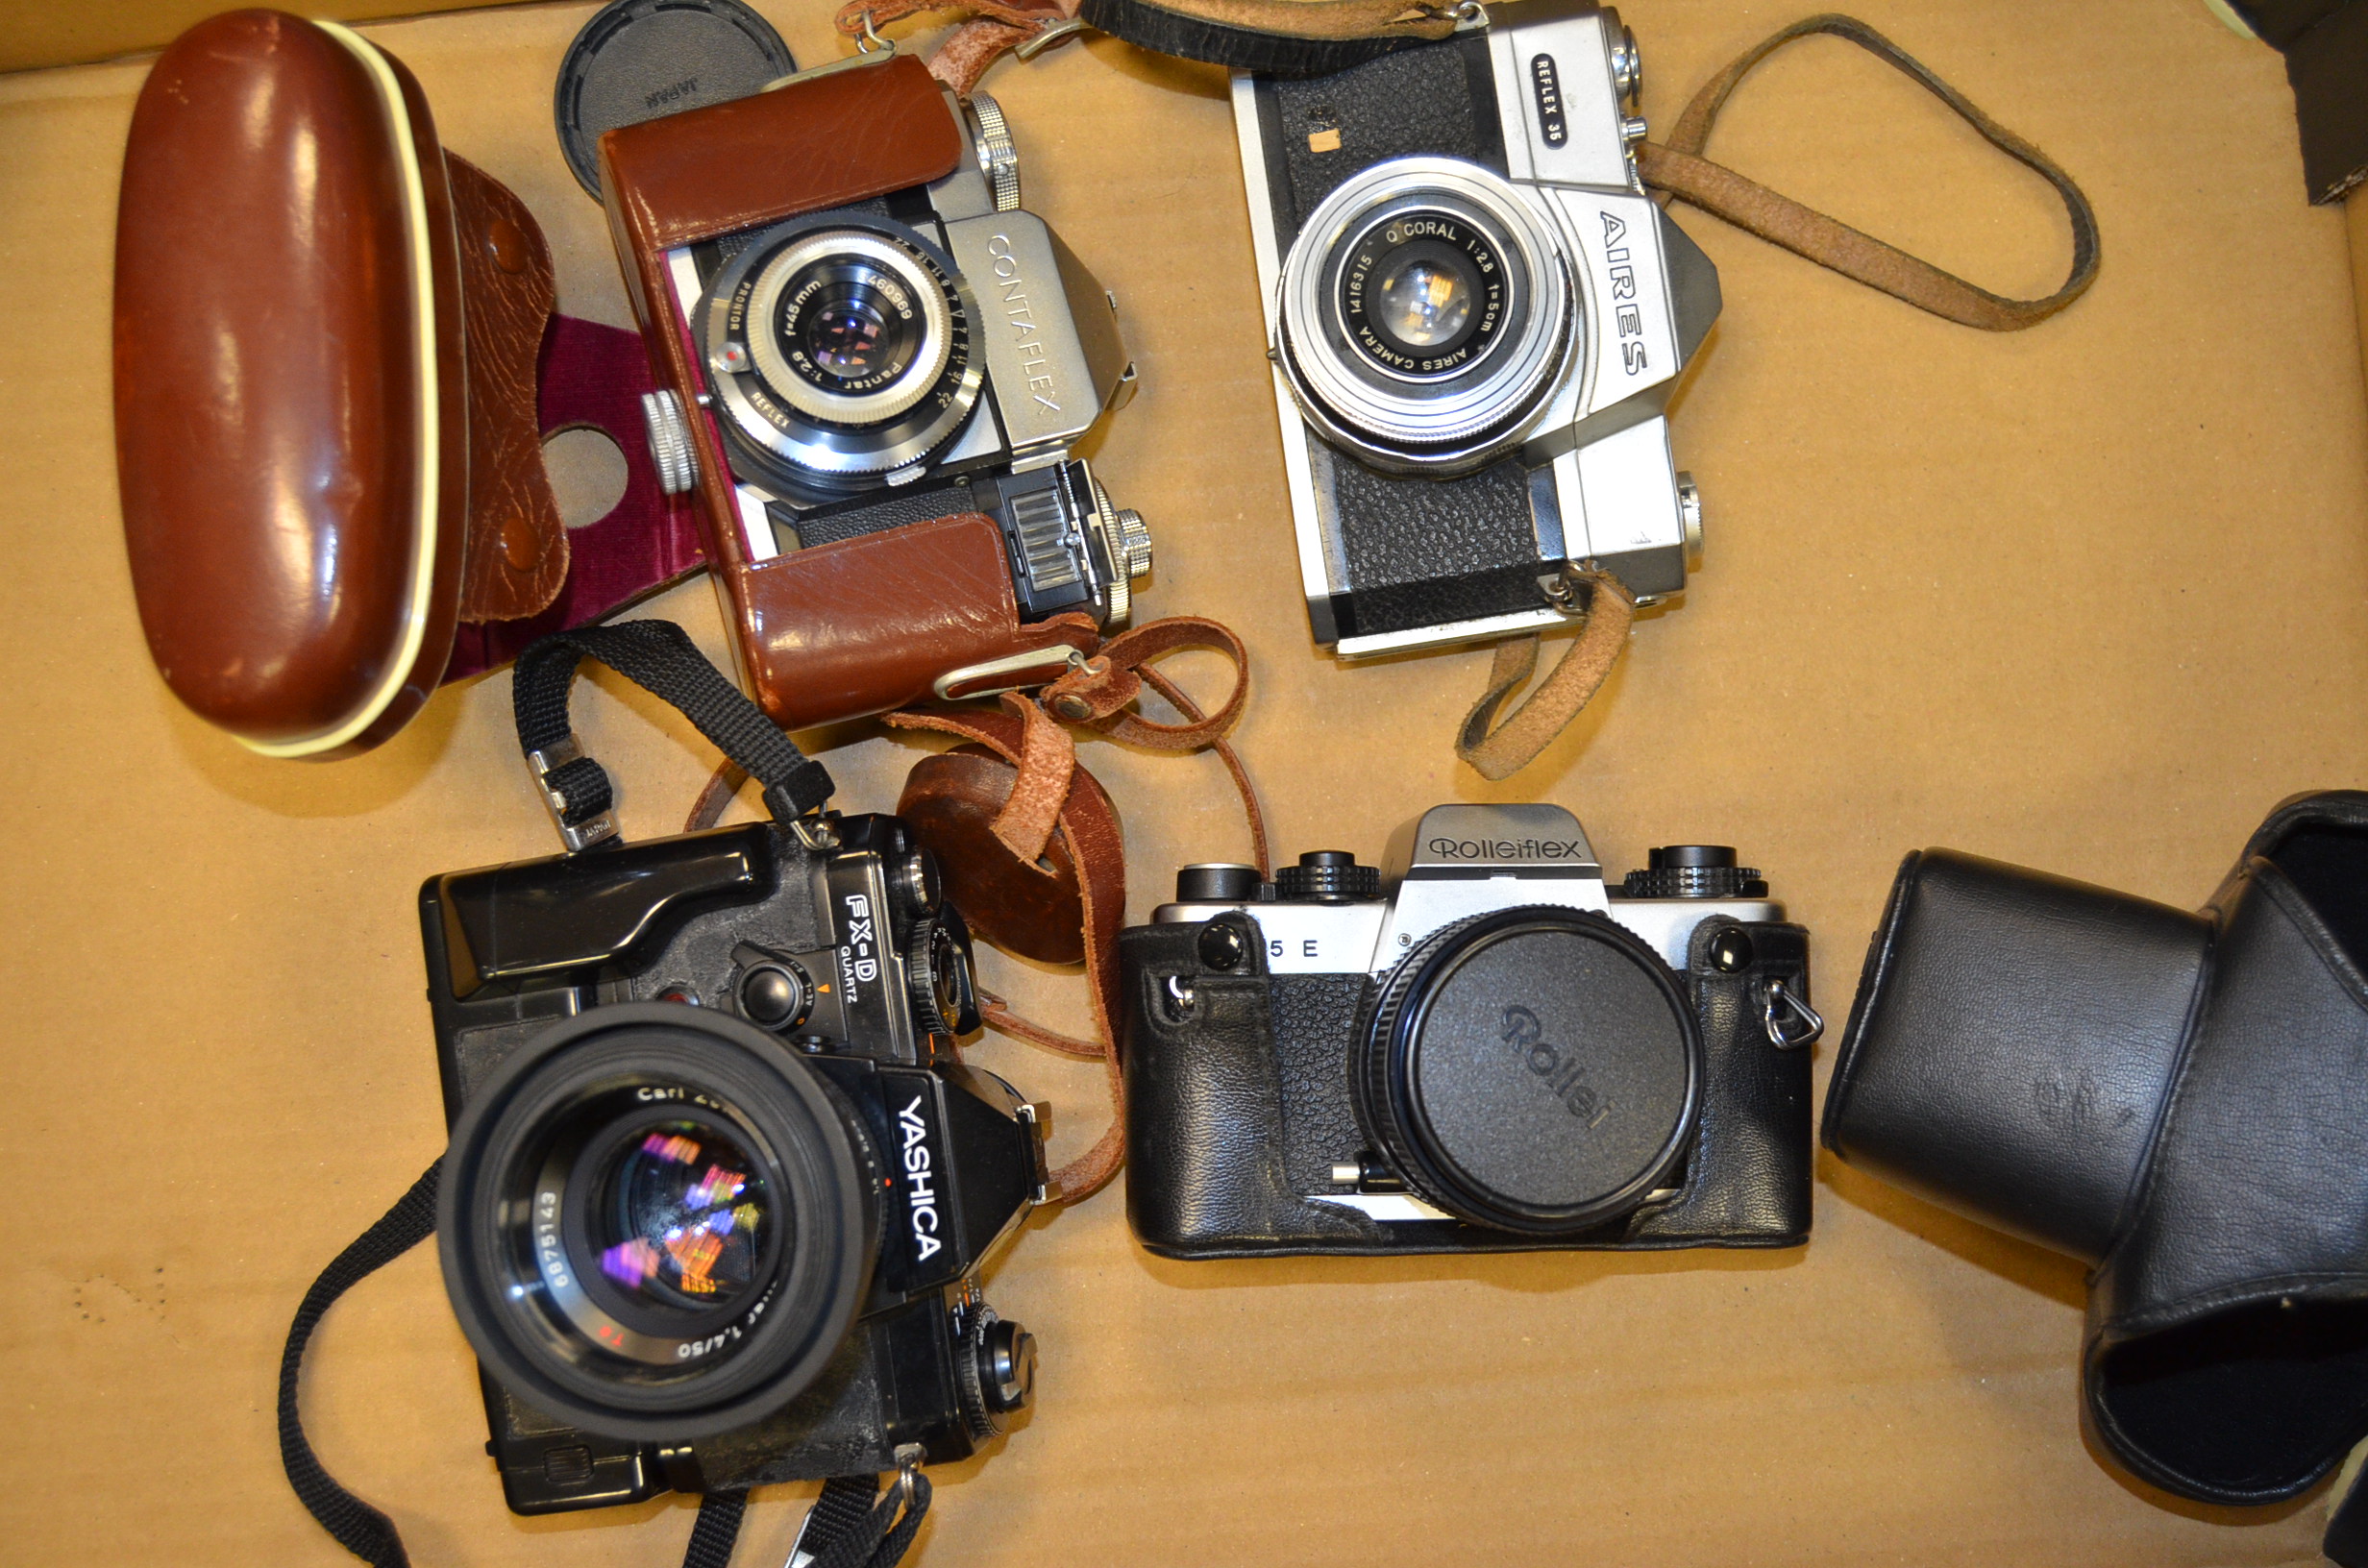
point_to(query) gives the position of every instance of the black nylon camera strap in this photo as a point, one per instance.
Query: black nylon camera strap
(359, 1528)
(659, 657)
(846, 1528)
(855, 1525)
(716, 1529)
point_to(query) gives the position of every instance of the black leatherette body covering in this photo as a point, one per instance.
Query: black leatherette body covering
(1434, 99)
(1425, 552)
(1236, 1111)
(1418, 551)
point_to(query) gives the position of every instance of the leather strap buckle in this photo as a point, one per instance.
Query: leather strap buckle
(1012, 673)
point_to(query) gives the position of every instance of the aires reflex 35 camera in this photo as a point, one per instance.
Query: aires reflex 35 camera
(1476, 317)
(719, 1188)
(1501, 1054)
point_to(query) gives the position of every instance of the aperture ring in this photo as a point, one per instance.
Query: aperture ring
(795, 444)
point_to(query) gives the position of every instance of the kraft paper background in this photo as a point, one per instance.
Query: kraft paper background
(2090, 598)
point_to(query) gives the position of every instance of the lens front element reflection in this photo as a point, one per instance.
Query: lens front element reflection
(684, 1219)
(1423, 302)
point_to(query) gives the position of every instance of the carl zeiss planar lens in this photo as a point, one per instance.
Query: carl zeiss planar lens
(656, 1224)
(683, 1215)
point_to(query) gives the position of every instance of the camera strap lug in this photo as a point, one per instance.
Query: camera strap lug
(855, 1524)
(546, 765)
(1181, 997)
(1045, 1188)
(816, 834)
(1791, 1022)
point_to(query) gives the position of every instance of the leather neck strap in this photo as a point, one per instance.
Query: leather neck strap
(1680, 169)
(1296, 37)
(1504, 750)
(1306, 37)
(1029, 733)
(1089, 831)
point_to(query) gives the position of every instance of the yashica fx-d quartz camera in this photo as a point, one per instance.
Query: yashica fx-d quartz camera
(1476, 317)
(874, 367)
(1502, 1054)
(719, 1187)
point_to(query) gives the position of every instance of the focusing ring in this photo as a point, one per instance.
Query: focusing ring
(1389, 1097)
(1437, 426)
(819, 1166)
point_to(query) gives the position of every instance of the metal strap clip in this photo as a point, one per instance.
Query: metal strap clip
(908, 1457)
(1789, 1020)
(1048, 36)
(958, 685)
(871, 49)
(550, 760)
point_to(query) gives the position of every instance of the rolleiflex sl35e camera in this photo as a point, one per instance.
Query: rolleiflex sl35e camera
(1476, 317)
(874, 368)
(719, 1188)
(1503, 1054)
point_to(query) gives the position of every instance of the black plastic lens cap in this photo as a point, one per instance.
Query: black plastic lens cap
(636, 59)
(1534, 1069)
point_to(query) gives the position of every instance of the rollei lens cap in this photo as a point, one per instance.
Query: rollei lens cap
(1534, 1069)
(636, 59)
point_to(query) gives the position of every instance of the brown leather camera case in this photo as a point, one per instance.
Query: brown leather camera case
(325, 422)
(865, 624)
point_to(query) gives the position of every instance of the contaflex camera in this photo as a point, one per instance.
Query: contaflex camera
(874, 367)
(1476, 318)
(1504, 1054)
(719, 1187)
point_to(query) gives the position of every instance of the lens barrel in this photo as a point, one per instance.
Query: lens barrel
(655, 1223)
(2013, 1043)
(1427, 314)
(1534, 1069)
(839, 347)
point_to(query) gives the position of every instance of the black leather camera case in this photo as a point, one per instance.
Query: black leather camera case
(2180, 1100)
